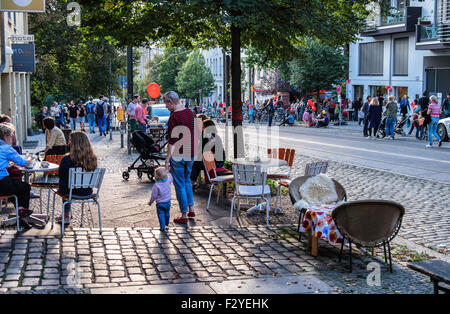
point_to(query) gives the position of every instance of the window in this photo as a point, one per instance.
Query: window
(401, 56)
(371, 58)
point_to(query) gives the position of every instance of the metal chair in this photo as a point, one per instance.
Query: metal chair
(369, 223)
(211, 175)
(294, 193)
(250, 183)
(6, 198)
(283, 179)
(78, 178)
(315, 168)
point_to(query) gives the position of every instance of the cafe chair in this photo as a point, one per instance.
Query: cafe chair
(78, 178)
(315, 168)
(283, 179)
(295, 195)
(49, 180)
(16, 203)
(250, 183)
(369, 223)
(212, 177)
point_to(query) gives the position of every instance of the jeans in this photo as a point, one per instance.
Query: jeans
(390, 125)
(366, 127)
(91, 120)
(432, 130)
(101, 121)
(181, 172)
(143, 127)
(252, 119)
(270, 119)
(73, 123)
(163, 211)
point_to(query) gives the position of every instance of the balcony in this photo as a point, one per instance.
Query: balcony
(433, 36)
(397, 21)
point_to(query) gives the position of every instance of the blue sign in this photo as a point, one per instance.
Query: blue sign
(122, 82)
(23, 58)
(210, 94)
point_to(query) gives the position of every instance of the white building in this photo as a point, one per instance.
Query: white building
(15, 98)
(407, 49)
(146, 55)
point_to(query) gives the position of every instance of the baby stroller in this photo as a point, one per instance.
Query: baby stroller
(381, 132)
(399, 126)
(149, 155)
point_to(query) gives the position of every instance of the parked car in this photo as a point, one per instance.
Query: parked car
(444, 128)
(159, 111)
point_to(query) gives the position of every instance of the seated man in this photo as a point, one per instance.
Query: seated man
(322, 120)
(290, 119)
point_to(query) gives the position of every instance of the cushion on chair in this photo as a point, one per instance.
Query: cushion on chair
(285, 183)
(253, 190)
(277, 176)
(229, 178)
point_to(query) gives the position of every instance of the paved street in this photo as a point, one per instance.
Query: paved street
(133, 252)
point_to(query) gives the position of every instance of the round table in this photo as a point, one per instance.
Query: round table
(265, 164)
(38, 168)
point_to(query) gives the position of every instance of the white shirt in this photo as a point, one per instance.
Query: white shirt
(131, 110)
(54, 111)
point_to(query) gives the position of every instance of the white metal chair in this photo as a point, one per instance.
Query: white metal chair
(211, 175)
(78, 178)
(250, 183)
(6, 198)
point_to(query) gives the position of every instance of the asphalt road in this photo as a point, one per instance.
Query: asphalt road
(404, 155)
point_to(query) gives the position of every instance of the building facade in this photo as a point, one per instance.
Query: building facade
(406, 47)
(15, 100)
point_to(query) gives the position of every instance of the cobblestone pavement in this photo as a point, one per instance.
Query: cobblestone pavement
(85, 259)
(132, 250)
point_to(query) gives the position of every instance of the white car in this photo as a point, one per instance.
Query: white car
(444, 128)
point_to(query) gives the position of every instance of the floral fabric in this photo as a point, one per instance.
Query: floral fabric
(319, 222)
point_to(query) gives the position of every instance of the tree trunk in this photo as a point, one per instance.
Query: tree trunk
(236, 109)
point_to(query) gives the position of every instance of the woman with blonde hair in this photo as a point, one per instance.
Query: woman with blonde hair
(374, 117)
(81, 155)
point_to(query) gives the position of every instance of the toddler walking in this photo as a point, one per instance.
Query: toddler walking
(161, 194)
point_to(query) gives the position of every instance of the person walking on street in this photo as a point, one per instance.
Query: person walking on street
(90, 110)
(374, 117)
(73, 115)
(180, 159)
(391, 117)
(434, 110)
(365, 110)
(100, 113)
(131, 112)
(140, 115)
(270, 111)
(446, 106)
(81, 115)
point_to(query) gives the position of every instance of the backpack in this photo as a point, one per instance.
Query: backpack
(99, 109)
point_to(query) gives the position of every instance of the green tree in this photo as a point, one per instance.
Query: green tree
(318, 66)
(194, 75)
(169, 67)
(274, 27)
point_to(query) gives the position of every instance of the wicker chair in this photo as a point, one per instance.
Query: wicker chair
(294, 193)
(369, 223)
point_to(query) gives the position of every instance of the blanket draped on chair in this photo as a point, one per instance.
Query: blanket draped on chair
(317, 190)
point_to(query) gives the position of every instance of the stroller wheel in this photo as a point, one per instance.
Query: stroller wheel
(150, 176)
(126, 175)
(139, 174)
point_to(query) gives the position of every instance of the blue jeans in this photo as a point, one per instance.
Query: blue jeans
(432, 130)
(270, 119)
(101, 121)
(181, 172)
(143, 127)
(73, 123)
(163, 210)
(252, 119)
(91, 120)
(390, 125)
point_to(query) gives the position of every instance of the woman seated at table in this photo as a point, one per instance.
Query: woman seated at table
(9, 186)
(55, 140)
(81, 155)
(210, 142)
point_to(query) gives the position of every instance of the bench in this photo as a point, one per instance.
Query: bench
(439, 272)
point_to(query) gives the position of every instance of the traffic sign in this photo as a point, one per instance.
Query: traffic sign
(122, 82)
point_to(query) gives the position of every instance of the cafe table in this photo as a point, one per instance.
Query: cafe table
(265, 164)
(34, 219)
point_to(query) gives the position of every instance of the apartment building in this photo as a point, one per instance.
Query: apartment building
(406, 47)
(15, 98)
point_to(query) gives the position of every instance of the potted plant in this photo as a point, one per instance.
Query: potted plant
(423, 20)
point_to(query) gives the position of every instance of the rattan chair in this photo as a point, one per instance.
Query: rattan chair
(369, 223)
(294, 193)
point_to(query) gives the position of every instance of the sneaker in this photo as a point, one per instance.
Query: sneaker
(181, 220)
(368, 137)
(429, 146)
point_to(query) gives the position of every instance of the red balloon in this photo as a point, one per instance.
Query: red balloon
(250, 107)
(276, 97)
(153, 90)
(229, 108)
(222, 111)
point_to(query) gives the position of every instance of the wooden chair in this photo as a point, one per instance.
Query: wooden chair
(211, 175)
(369, 223)
(283, 179)
(250, 182)
(78, 178)
(46, 182)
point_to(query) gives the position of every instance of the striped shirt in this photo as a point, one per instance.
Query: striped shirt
(435, 110)
(185, 118)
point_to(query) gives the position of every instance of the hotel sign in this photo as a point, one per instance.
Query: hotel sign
(23, 58)
(22, 5)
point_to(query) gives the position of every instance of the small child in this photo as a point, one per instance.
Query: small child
(161, 194)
